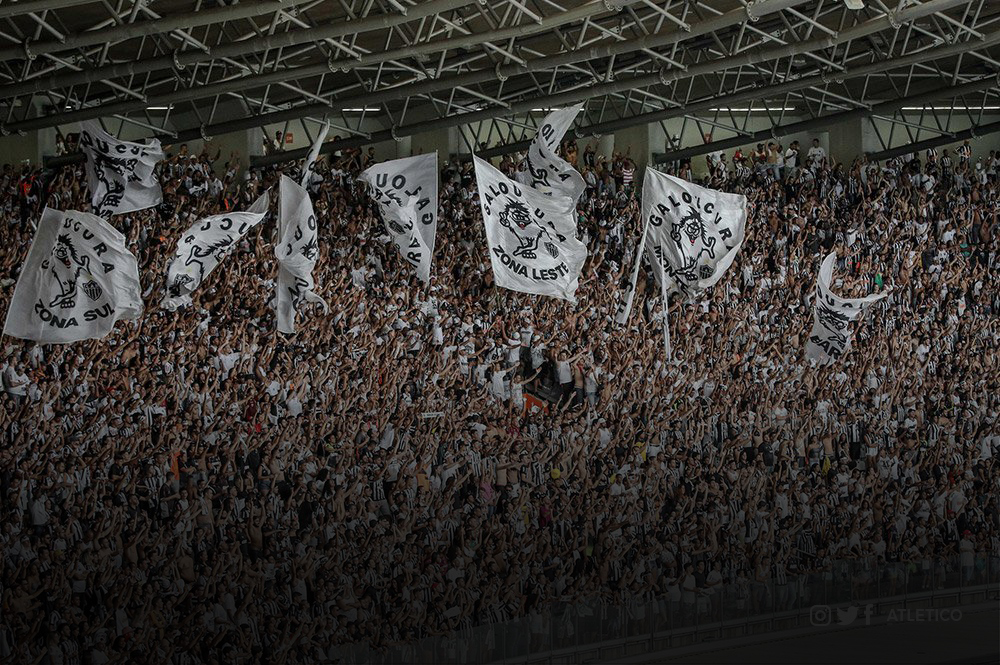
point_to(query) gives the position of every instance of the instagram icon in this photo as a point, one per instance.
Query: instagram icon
(819, 615)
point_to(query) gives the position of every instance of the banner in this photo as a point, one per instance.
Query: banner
(78, 280)
(406, 191)
(296, 251)
(203, 247)
(691, 236)
(307, 168)
(531, 236)
(543, 169)
(830, 338)
(119, 173)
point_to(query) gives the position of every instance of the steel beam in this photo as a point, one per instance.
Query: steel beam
(975, 132)
(891, 106)
(11, 9)
(182, 59)
(569, 16)
(119, 33)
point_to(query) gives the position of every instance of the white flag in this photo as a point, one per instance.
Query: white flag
(543, 169)
(296, 251)
(406, 191)
(691, 235)
(531, 237)
(203, 247)
(119, 173)
(830, 338)
(78, 279)
(307, 168)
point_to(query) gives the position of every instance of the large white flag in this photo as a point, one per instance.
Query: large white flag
(204, 246)
(79, 278)
(119, 173)
(307, 168)
(830, 338)
(296, 251)
(543, 169)
(406, 191)
(691, 235)
(531, 236)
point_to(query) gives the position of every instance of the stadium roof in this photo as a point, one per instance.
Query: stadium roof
(185, 69)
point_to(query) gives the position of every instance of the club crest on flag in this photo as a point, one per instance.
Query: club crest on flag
(78, 280)
(531, 236)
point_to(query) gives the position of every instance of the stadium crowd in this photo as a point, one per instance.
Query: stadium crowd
(197, 488)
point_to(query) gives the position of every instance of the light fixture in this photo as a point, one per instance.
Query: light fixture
(951, 108)
(752, 109)
(364, 110)
(159, 108)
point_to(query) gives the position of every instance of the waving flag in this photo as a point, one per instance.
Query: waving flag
(204, 246)
(830, 337)
(307, 168)
(531, 236)
(119, 173)
(406, 191)
(691, 236)
(78, 280)
(544, 170)
(296, 251)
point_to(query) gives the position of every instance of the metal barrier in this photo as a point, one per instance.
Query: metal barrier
(578, 632)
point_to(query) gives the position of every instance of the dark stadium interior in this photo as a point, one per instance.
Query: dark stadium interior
(511, 460)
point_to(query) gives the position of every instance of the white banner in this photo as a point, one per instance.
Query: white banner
(406, 191)
(691, 235)
(543, 169)
(830, 337)
(531, 237)
(79, 278)
(203, 247)
(307, 168)
(296, 251)
(119, 173)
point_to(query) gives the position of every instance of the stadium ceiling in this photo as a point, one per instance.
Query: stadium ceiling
(184, 69)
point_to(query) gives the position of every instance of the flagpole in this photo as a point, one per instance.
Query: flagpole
(666, 314)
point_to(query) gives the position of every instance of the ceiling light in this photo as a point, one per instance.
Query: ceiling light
(364, 110)
(951, 108)
(753, 109)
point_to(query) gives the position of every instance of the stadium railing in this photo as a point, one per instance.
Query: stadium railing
(850, 591)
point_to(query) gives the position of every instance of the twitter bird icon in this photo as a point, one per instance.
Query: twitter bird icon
(847, 616)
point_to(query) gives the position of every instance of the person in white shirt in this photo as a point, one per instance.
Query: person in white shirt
(817, 156)
(791, 158)
(15, 382)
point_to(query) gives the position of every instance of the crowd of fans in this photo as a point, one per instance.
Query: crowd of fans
(198, 488)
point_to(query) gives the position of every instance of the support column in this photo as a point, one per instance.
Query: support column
(18, 149)
(845, 142)
(636, 142)
(241, 142)
(869, 138)
(445, 141)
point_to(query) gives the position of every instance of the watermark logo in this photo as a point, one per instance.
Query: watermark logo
(824, 615)
(927, 615)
